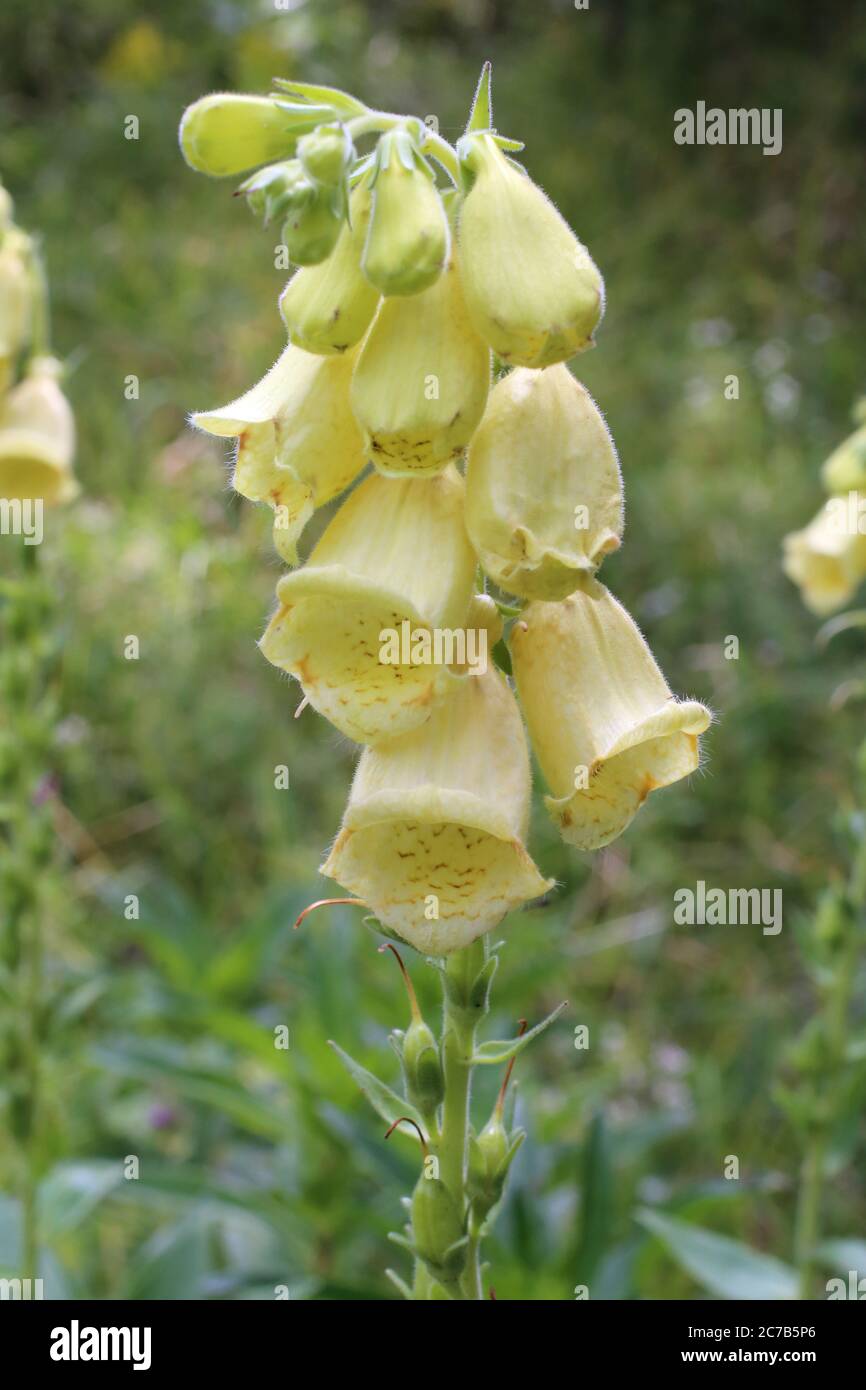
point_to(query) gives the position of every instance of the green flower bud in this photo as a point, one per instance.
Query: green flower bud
(326, 153)
(532, 290)
(421, 382)
(225, 133)
(489, 1159)
(425, 1083)
(313, 221)
(328, 308)
(438, 1230)
(407, 246)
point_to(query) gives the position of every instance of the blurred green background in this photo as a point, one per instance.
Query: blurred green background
(261, 1167)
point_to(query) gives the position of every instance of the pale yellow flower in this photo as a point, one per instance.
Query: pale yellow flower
(532, 290)
(433, 836)
(421, 382)
(543, 487)
(604, 725)
(845, 469)
(827, 559)
(37, 438)
(298, 442)
(395, 552)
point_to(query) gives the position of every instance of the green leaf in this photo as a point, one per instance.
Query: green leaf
(842, 623)
(596, 1201)
(724, 1267)
(843, 1254)
(383, 1100)
(497, 1050)
(481, 115)
(341, 102)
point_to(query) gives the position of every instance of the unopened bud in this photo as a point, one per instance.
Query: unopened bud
(408, 243)
(226, 133)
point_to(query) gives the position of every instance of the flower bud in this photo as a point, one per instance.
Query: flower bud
(407, 245)
(395, 553)
(845, 469)
(543, 487)
(432, 837)
(425, 1084)
(489, 1161)
(532, 290)
(421, 382)
(314, 217)
(37, 438)
(326, 154)
(328, 308)
(225, 133)
(438, 1230)
(16, 300)
(827, 559)
(602, 720)
(298, 443)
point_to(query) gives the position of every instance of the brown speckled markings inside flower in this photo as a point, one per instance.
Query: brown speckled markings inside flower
(433, 835)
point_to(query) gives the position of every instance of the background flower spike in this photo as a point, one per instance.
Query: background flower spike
(602, 720)
(827, 559)
(37, 438)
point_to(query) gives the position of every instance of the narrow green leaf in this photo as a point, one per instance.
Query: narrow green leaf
(841, 623)
(341, 102)
(722, 1266)
(399, 1283)
(481, 115)
(596, 1201)
(383, 1100)
(505, 143)
(498, 1050)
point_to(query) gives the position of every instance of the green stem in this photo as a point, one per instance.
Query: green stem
(808, 1218)
(375, 122)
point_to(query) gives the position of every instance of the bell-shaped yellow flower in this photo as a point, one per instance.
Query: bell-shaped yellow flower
(827, 559)
(298, 442)
(409, 237)
(543, 487)
(532, 289)
(433, 836)
(16, 299)
(395, 553)
(37, 438)
(227, 133)
(604, 725)
(421, 382)
(328, 308)
(845, 469)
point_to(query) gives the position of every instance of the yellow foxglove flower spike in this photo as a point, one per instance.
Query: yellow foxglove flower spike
(37, 438)
(604, 725)
(433, 835)
(16, 298)
(543, 487)
(845, 469)
(409, 238)
(421, 382)
(532, 289)
(395, 553)
(827, 559)
(299, 445)
(327, 308)
(227, 133)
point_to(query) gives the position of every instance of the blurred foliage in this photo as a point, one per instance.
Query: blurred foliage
(259, 1166)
